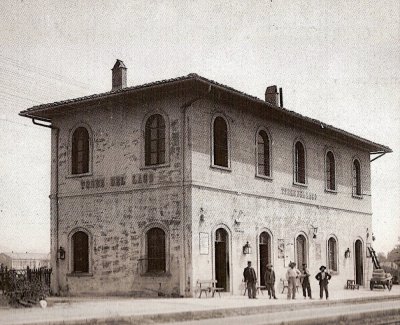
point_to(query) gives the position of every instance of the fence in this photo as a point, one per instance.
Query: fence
(26, 284)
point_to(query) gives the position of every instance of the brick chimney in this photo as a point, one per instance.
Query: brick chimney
(118, 75)
(272, 95)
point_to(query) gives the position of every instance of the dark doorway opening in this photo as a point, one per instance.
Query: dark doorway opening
(222, 259)
(265, 255)
(358, 255)
(301, 251)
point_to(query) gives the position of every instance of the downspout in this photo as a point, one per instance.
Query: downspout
(54, 199)
(185, 106)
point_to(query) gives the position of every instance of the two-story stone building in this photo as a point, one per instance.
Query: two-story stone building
(154, 187)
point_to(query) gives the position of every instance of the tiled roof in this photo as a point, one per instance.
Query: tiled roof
(33, 111)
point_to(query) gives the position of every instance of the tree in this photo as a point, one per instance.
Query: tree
(381, 257)
(394, 254)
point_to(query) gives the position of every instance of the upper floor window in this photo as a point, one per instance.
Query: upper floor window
(299, 163)
(330, 171)
(80, 252)
(220, 137)
(155, 245)
(356, 177)
(332, 254)
(155, 140)
(263, 154)
(80, 151)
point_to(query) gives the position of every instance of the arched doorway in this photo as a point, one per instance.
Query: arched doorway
(222, 258)
(265, 254)
(358, 257)
(301, 250)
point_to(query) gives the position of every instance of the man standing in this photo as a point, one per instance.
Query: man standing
(270, 281)
(250, 278)
(291, 276)
(305, 276)
(323, 278)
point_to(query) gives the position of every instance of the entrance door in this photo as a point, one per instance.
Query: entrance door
(265, 255)
(301, 250)
(222, 259)
(358, 255)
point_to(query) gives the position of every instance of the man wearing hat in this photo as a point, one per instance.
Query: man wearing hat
(270, 281)
(250, 278)
(323, 278)
(305, 281)
(291, 276)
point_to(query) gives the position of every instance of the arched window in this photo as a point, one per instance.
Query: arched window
(301, 250)
(332, 254)
(80, 252)
(80, 151)
(263, 158)
(330, 171)
(155, 140)
(356, 178)
(299, 163)
(155, 242)
(220, 135)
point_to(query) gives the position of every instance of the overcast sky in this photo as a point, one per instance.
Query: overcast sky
(337, 61)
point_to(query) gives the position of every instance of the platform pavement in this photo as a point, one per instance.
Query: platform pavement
(122, 310)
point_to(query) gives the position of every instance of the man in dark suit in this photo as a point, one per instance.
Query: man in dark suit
(323, 278)
(250, 278)
(270, 281)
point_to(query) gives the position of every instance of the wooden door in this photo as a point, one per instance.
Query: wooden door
(358, 255)
(222, 259)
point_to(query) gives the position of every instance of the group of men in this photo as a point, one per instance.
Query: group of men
(292, 276)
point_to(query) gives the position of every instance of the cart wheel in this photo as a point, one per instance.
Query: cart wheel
(371, 285)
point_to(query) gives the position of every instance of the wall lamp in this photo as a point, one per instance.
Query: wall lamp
(347, 253)
(314, 231)
(201, 215)
(61, 253)
(247, 249)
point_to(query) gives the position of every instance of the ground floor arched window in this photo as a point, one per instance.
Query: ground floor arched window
(155, 241)
(332, 254)
(80, 252)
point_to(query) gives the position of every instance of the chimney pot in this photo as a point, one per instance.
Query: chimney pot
(118, 75)
(272, 95)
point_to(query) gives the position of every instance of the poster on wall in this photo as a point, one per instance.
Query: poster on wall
(317, 251)
(203, 242)
(281, 248)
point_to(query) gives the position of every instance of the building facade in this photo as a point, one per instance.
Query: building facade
(157, 186)
(20, 261)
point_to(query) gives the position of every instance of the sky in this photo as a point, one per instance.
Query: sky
(337, 61)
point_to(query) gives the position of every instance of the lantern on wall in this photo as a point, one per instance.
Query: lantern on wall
(61, 253)
(347, 253)
(247, 249)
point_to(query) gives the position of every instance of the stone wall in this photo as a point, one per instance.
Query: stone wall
(275, 205)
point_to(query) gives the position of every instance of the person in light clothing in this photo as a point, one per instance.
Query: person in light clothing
(291, 276)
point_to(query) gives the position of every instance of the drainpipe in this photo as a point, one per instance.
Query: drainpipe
(185, 107)
(54, 200)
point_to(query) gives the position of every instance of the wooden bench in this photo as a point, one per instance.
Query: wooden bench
(207, 286)
(351, 284)
(258, 288)
(285, 285)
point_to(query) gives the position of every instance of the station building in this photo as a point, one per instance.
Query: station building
(157, 186)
